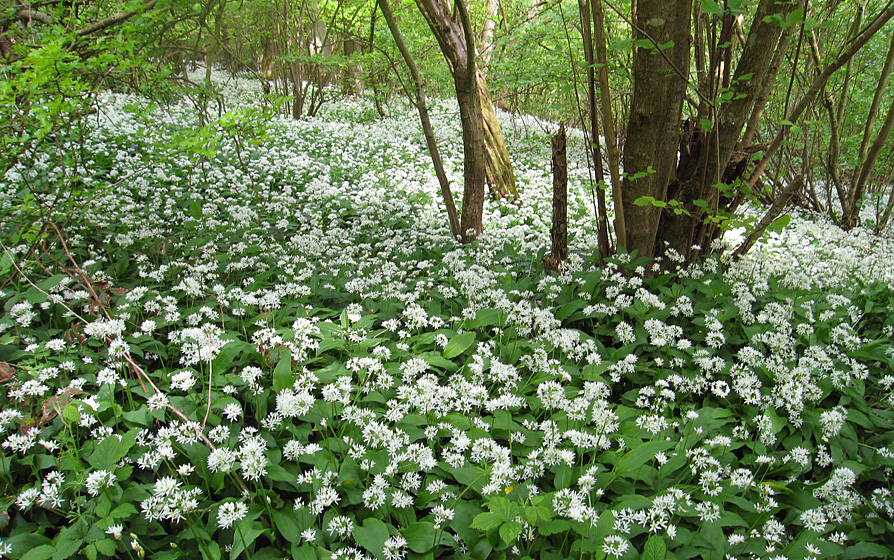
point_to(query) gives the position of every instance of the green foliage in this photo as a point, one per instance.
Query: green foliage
(275, 352)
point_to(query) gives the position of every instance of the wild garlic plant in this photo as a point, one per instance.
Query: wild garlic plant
(283, 354)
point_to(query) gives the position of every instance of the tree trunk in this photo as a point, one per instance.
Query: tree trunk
(559, 231)
(709, 165)
(500, 174)
(456, 39)
(654, 123)
(446, 193)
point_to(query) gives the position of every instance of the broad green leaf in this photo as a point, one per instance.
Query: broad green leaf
(510, 531)
(711, 7)
(195, 210)
(420, 536)
(248, 532)
(486, 318)
(505, 508)
(71, 413)
(283, 378)
(42, 552)
(106, 547)
(867, 549)
(655, 548)
(641, 454)
(372, 535)
(486, 521)
(287, 524)
(111, 450)
(779, 224)
(458, 344)
(553, 526)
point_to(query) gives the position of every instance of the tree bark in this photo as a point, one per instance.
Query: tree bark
(430, 140)
(654, 123)
(681, 231)
(559, 230)
(608, 121)
(456, 39)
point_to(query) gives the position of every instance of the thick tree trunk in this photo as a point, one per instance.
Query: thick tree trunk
(559, 231)
(500, 174)
(654, 123)
(457, 42)
(709, 166)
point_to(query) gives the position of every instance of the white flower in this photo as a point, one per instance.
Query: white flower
(615, 545)
(232, 411)
(231, 512)
(98, 480)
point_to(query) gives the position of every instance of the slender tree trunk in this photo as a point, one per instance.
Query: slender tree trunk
(457, 42)
(608, 121)
(868, 156)
(818, 83)
(446, 193)
(455, 36)
(589, 56)
(559, 230)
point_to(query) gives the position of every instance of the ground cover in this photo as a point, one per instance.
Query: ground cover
(259, 340)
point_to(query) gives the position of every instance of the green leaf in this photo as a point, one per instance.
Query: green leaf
(779, 224)
(224, 359)
(106, 547)
(706, 124)
(505, 508)
(70, 539)
(655, 549)
(195, 210)
(287, 525)
(711, 7)
(71, 413)
(211, 551)
(283, 378)
(867, 549)
(641, 454)
(547, 528)
(486, 318)
(420, 536)
(458, 344)
(510, 531)
(42, 552)
(111, 450)
(250, 530)
(486, 521)
(372, 535)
